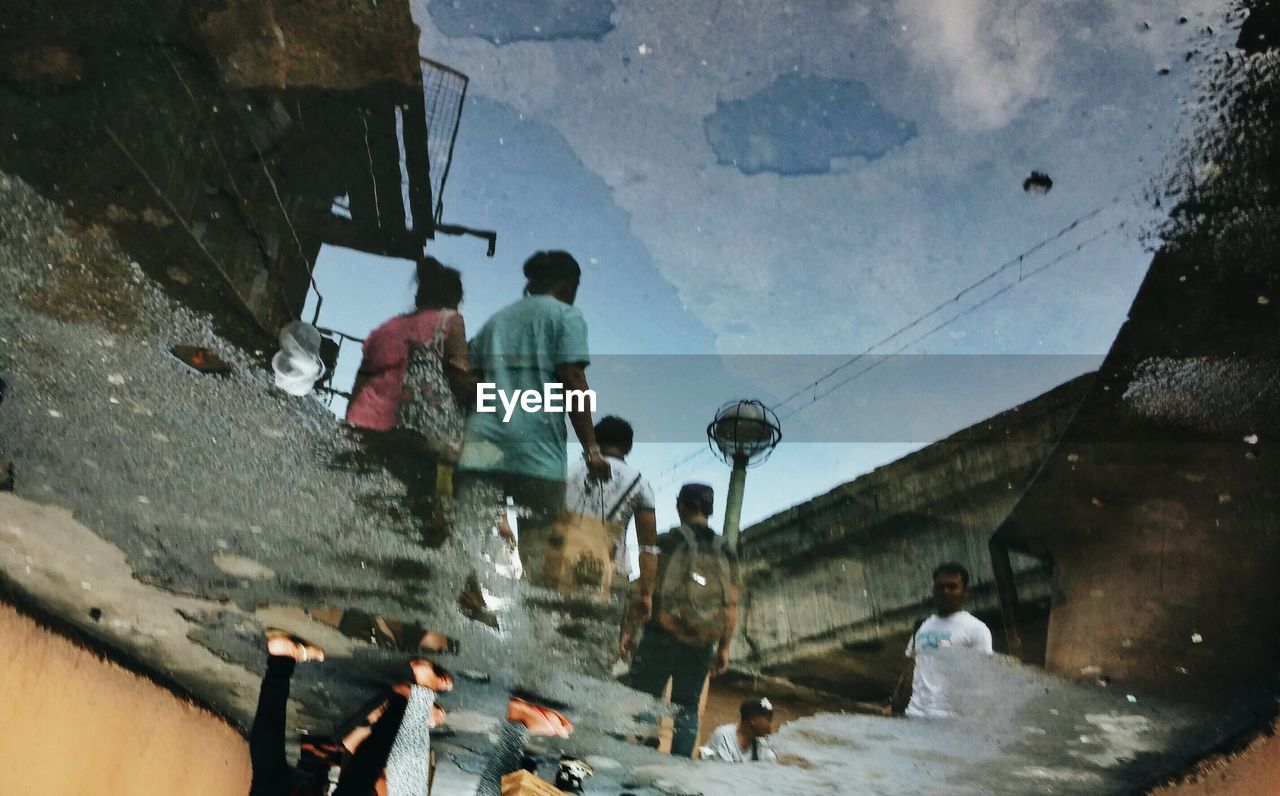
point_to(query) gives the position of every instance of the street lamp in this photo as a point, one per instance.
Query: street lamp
(743, 434)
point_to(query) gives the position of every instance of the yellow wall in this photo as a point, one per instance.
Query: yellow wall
(74, 723)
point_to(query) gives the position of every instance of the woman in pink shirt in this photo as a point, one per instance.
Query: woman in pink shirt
(380, 382)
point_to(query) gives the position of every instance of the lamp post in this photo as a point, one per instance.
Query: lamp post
(743, 434)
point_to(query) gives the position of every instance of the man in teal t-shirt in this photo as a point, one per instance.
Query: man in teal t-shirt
(539, 340)
(519, 350)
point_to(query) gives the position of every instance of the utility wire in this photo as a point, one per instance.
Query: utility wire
(1018, 260)
(884, 357)
(669, 473)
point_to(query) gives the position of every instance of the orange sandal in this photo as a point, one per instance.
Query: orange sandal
(540, 721)
(297, 648)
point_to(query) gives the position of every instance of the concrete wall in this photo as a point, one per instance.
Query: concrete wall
(1161, 505)
(853, 565)
(76, 723)
(1175, 593)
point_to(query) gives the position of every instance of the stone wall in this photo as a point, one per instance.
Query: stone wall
(1160, 507)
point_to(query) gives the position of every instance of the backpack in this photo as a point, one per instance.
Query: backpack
(427, 406)
(693, 597)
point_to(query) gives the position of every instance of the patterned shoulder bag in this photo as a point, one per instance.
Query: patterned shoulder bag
(427, 406)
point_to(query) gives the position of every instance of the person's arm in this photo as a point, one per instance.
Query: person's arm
(647, 538)
(714, 750)
(726, 638)
(983, 641)
(901, 695)
(362, 375)
(476, 350)
(722, 746)
(902, 691)
(365, 371)
(362, 380)
(627, 638)
(571, 359)
(573, 376)
(457, 363)
(731, 615)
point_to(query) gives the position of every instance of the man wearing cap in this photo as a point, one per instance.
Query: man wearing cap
(695, 611)
(738, 743)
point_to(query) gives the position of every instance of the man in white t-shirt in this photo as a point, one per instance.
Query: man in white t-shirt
(951, 628)
(625, 496)
(744, 741)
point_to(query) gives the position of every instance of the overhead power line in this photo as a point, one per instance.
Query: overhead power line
(1003, 267)
(1019, 261)
(973, 308)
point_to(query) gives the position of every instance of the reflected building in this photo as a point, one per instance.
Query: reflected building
(224, 144)
(1121, 528)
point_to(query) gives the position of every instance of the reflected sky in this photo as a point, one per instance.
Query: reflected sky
(787, 178)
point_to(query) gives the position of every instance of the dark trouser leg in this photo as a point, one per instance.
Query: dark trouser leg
(412, 462)
(660, 658)
(651, 665)
(687, 679)
(480, 503)
(266, 736)
(539, 503)
(540, 500)
(504, 759)
(363, 769)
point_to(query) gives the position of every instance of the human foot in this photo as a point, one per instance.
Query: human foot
(428, 675)
(281, 644)
(540, 721)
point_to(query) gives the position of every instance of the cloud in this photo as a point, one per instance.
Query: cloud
(503, 21)
(988, 62)
(799, 123)
(831, 263)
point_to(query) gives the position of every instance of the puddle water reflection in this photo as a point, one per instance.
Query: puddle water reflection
(912, 231)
